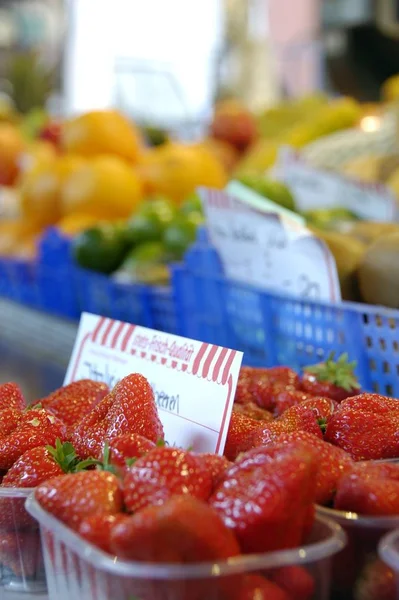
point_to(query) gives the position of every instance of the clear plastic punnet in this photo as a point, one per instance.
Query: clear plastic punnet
(363, 536)
(21, 558)
(76, 569)
(388, 550)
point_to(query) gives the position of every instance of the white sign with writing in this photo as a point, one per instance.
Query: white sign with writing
(268, 251)
(315, 188)
(194, 383)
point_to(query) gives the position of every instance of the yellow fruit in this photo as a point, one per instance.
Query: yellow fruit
(390, 89)
(101, 132)
(76, 223)
(105, 186)
(176, 170)
(41, 186)
(16, 235)
(259, 158)
(37, 153)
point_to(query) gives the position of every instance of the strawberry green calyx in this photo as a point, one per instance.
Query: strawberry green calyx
(338, 372)
(64, 454)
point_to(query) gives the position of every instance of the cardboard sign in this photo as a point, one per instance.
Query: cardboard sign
(268, 251)
(194, 383)
(314, 188)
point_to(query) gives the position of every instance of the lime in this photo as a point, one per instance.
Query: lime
(161, 207)
(99, 248)
(143, 228)
(179, 236)
(192, 204)
(146, 264)
(272, 190)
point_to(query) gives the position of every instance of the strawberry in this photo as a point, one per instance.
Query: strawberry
(183, 530)
(37, 427)
(32, 468)
(295, 580)
(331, 379)
(9, 419)
(243, 393)
(265, 500)
(256, 587)
(376, 582)
(367, 496)
(129, 408)
(364, 435)
(288, 398)
(374, 403)
(162, 473)
(240, 431)
(71, 402)
(253, 411)
(11, 396)
(384, 470)
(332, 462)
(97, 529)
(21, 552)
(323, 408)
(73, 497)
(126, 447)
(215, 465)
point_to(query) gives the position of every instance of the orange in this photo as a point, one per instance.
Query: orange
(15, 235)
(76, 223)
(41, 187)
(11, 147)
(105, 186)
(38, 152)
(176, 170)
(224, 152)
(101, 132)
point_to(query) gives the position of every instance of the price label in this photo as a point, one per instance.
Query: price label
(194, 383)
(314, 188)
(268, 251)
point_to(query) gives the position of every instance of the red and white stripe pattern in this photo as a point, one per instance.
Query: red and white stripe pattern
(113, 334)
(219, 199)
(213, 363)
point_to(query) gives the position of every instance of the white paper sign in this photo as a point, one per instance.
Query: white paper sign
(194, 383)
(314, 188)
(265, 250)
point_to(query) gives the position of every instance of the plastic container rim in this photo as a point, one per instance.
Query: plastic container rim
(352, 519)
(14, 492)
(387, 551)
(100, 560)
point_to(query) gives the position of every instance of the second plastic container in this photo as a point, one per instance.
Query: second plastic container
(76, 569)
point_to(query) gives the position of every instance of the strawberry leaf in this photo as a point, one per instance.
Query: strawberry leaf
(337, 372)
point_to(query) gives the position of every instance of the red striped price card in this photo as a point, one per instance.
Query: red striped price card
(194, 383)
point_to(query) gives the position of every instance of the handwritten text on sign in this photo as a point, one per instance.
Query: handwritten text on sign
(314, 188)
(194, 383)
(268, 251)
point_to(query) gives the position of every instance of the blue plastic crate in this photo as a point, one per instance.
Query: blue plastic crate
(273, 329)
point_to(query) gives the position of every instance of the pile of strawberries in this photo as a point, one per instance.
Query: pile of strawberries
(99, 463)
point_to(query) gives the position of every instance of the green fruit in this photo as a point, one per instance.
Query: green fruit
(160, 207)
(272, 190)
(179, 236)
(143, 228)
(191, 205)
(327, 218)
(99, 249)
(146, 264)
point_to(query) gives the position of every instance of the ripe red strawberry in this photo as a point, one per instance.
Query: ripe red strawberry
(332, 462)
(183, 530)
(256, 587)
(97, 529)
(377, 581)
(364, 435)
(331, 379)
(162, 473)
(71, 402)
(9, 419)
(240, 433)
(265, 502)
(21, 552)
(374, 403)
(253, 411)
(295, 580)
(37, 427)
(126, 447)
(243, 393)
(323, 408)
(73, 497)
(11, 396)
(367, 496)
(129, 408)
(287, 398)
(215, 465)
(381, 469)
